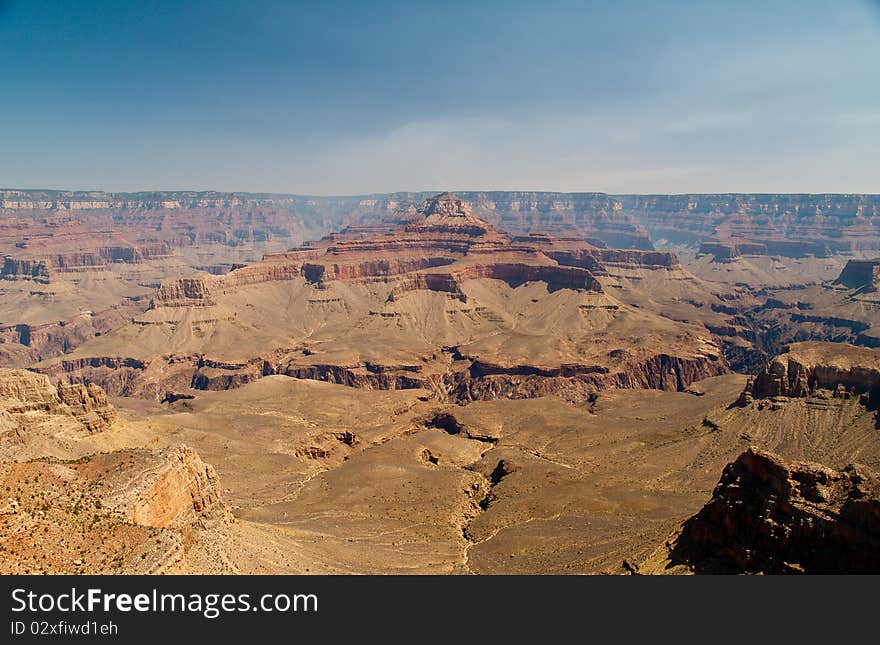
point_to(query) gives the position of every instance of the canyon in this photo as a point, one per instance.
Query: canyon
(763, 224)
(438, 300)
(479, 382)
(73, 260)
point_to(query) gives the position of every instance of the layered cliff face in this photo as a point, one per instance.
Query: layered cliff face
(791, 224)
(75, 232)
(233, 218)
(28, 399)
(767, 223)
(770, 516)
(184, 292)
(438, 251)
(39, 268)
(728, 251)
(436, 299)
(55, 243)
(498, 402)
(20, 269)
(810, 366)
(172, 488)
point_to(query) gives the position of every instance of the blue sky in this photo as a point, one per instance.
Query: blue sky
(358, 97)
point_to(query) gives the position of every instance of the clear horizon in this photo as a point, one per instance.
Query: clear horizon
(344, 99)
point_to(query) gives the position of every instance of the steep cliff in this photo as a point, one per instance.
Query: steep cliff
(172, 488)
(23, 344)
(783, 224)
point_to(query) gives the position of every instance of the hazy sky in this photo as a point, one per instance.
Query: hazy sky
(353, 97)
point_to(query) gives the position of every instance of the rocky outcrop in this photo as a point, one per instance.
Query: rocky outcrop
(119, 376)
(183, 292)
(443, 231)
(438, 282)
(770, 516)
(76, 261)
(126, 511)
(135, 511)
(153, 250)
(515, 274)
(89, 405)
(809, 366)
(199, 291)
(262, 272)
(104, 255)
(383, 269)
(448, 207)
(484, 381)
(371, 377)
(218, 375)
(860, 274)
(728, 251)
(24, 269)
(596, 259)
(172, 488)
(23, 392)
(111, 362)
(479, 380)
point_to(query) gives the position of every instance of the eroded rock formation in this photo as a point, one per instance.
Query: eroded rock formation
(130, 511)
(861, 274)
(124, 511)
(183, 292)
(770, 516)
(24, 269)
(775, 224)
(24, 393)
(810, 366)
(444, 289)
